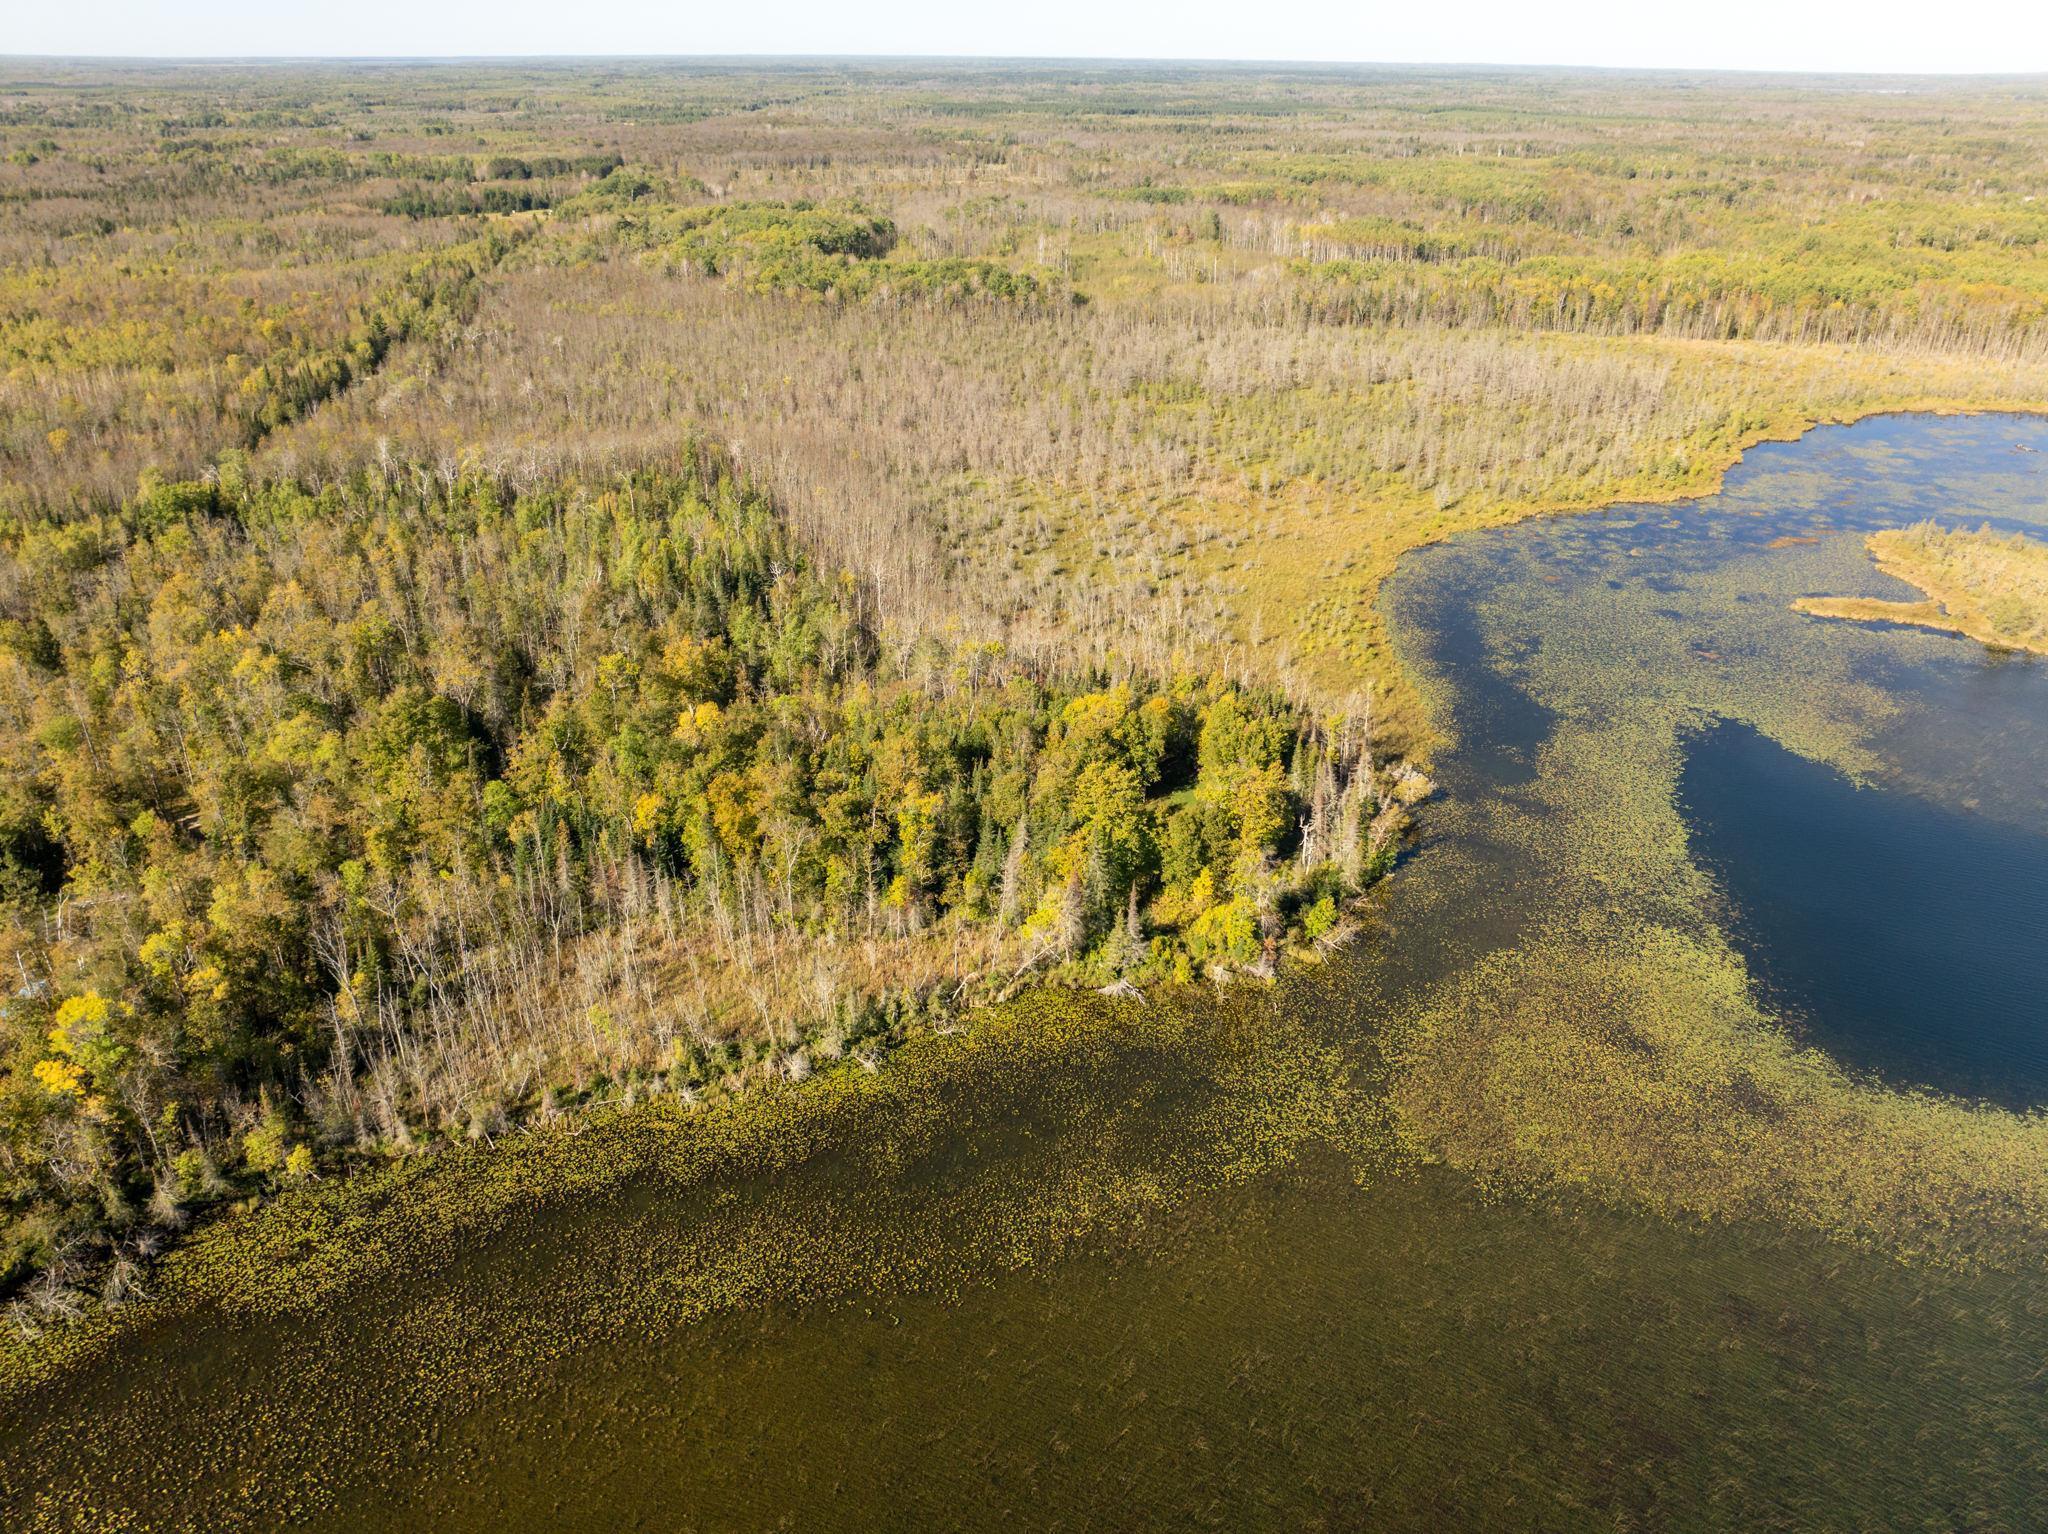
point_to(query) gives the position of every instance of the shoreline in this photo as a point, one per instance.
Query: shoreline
(1421, 744)
(1946, 606)
(333, 1203)
(304, 1252)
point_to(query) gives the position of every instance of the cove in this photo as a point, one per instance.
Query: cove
(1904, 937)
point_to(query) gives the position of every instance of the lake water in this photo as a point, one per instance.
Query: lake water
(1905, 936)
(1273, 1261)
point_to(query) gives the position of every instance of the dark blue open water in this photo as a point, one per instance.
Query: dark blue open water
(1906, 937)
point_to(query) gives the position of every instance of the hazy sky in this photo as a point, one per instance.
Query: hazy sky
(1880, 35)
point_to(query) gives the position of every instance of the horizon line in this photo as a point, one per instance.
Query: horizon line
(174, 60)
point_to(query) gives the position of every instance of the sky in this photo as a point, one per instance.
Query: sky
(1881, 36)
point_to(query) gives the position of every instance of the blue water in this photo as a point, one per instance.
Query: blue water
(1907, 938)
(1902, 924)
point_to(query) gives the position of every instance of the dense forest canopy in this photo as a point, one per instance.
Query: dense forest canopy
(335, 818)
(527, 583)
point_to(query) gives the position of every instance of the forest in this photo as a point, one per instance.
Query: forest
(525, 586)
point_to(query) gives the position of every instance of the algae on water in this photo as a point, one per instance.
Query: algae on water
(1619, 1044)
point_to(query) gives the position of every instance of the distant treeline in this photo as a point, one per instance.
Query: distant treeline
(454, 201)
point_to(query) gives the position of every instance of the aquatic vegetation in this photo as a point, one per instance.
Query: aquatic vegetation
(1077, 1228)
(1985, 585)
(1251, 1087)
(1619, 1044)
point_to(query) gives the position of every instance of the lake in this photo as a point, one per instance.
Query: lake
(1660, 1159)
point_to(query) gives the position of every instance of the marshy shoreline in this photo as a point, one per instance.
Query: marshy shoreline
(1981, 585)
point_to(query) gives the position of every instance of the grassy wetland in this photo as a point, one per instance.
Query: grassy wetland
(872, 795)
(1977, 583)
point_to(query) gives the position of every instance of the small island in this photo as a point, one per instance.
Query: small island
(1987, 585)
